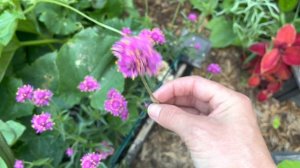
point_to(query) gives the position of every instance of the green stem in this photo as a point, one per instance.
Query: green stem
(176, 13)
(297, 11)
(39, 42)
(146, 6)
(78, 12)
(149, 90)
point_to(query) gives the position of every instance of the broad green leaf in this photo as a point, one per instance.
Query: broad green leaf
(99, 4)
(110, 79)
(289, 164)
(2, 163)
(42, 73)
(41, 162)
(276, 122)
(9, 108)
(36, 147)
(8, 25)
(11, 131)
(205, 6)
(287, 5)
(222, 34)
(7, 55)
(87, 53)
(5, 152)
(57, 19)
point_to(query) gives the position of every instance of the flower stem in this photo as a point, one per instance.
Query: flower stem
(149, 90)
(176, 13)
(78, 12)
(39, 42)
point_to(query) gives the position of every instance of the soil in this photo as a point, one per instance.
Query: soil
(164, 149)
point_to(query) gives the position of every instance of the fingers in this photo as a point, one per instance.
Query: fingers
(200, 88)
(173, 118)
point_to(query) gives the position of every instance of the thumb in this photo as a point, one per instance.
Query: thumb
(172, 117)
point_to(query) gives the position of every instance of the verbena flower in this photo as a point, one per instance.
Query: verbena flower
(42, 122)
(116, 104)
(193, 17)
(89, 84)
(155, 35)
(69, 152)
(19, 164)
(214, 68)
(136, 56)
(24, 93)
(91, 160)
(42, 97)
(126, 31)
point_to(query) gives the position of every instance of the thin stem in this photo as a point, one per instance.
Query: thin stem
(149, 90)
(176, 13)
(39, 42)
(78, 12)
(146, 6)
(297, 11)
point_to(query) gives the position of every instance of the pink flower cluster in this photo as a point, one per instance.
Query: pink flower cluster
(19, 164)
(214, 68)
(89, 84)
(91, 160)
(39, 97)
(193, 17)
(42, 122)
(136, 54)
(69, 152)
(116, 104)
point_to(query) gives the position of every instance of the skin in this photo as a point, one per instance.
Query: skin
(218, 125)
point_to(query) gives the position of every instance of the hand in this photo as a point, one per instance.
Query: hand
(217, 124)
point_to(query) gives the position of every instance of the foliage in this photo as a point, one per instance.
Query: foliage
(289, 164)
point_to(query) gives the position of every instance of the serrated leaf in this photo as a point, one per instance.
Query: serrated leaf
(87, 53)
(110, 79)
(58, 20)
(205, 6)
(42, 73)
(287, 5)
(9, 109)
(11, 131)
(8, 25)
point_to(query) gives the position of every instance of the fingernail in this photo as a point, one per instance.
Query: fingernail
(153, 111)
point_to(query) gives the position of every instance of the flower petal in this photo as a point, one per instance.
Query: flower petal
(292, 55)
(263, 95)
(269, 60)
(286, 35)
(258, 48)
(297, 41)
(274, 87)
(254, 81)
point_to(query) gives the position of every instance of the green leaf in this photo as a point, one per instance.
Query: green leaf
(41, 162)
(289, 164)
(9, 108)
(99, 4)
(8, 25)
(2, 163)
(87, 53)
(110, 79)
(58, 20)
(205, 6)
(222, 34)
(276, 122)
(287, 5)
(43, 73)
(11, 131)
(7, 55)
(5, 152)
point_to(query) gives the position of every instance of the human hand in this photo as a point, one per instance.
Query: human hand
(217, 124)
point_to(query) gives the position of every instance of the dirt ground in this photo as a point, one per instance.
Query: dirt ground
(164, 149)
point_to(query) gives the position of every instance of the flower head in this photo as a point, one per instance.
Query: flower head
(69, 152)
(197, 46)
(19, 164)
(24, 93)
(91, 160)
(155, 35)
(136, 56)
(193, 17)
(214, 68)
(89, 84)
(42, 122)
(126, 31)
(42, 97)
(116, 104)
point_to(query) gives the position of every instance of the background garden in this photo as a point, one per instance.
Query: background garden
(67, 99)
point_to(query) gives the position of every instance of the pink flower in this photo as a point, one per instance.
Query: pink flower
(24, 93)
(19, 164)
(42, 122)
(136, 56)
(155, 35)
(42, 97)
(69, 152)
(91, 160)
(214, 68)
(116, 104)
(197, 46)
(89, 84)
(126, 31)
(193, 17)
